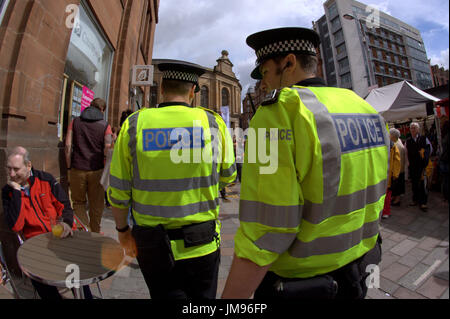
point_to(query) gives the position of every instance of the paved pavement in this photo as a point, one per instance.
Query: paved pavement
(415, 263)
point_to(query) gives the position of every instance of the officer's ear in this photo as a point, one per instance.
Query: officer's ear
(192, 93)
(290, 61)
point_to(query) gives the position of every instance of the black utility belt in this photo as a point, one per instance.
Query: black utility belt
(194, 234)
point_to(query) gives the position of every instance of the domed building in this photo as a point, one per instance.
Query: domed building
(220, 89)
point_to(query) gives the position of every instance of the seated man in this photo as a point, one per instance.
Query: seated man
(31, 199)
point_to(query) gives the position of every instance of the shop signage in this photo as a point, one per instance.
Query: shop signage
(86, 98)
(142, 75)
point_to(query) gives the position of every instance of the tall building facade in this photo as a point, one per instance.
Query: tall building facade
(55, 57)
(220, 90)
(362, 50)
(440, 75)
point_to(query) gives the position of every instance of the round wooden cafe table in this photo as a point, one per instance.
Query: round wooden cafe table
(51, 260)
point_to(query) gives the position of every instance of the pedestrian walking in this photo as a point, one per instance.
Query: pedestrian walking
(309, 229)
(88, 141)
(174, 195)
(398, 186)
(418, 151)
(393, 173)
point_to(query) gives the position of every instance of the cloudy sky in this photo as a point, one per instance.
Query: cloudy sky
(198, 30)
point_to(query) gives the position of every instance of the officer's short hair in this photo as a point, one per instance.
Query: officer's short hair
(414, 124)
(307, 62)
(176, 87)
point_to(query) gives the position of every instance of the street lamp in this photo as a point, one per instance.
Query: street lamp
(366, 49)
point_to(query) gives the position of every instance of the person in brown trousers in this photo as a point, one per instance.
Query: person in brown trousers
(87, 141)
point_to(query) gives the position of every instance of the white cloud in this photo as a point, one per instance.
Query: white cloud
(441, 60)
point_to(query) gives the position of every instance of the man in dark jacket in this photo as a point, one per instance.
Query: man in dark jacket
(419, 149)
(31, 199)
(87, 141)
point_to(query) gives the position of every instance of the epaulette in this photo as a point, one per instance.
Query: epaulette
(271, 98)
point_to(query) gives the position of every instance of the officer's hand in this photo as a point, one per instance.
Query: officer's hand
(67, 230)
(128, 243)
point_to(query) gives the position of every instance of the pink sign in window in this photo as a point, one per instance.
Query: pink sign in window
(86, 98)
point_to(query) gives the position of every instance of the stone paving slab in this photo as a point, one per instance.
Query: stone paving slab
(410, 279)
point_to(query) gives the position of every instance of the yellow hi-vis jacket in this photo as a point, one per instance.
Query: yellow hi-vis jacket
(167, 165)
(320, 210)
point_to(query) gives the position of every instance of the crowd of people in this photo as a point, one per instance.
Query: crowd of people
(166, 213)
(415, 157)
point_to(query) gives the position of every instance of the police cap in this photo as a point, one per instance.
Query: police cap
(282, 41)
(182, 71)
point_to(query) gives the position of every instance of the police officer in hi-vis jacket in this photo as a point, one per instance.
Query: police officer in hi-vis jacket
(311, 228)
(168, 165)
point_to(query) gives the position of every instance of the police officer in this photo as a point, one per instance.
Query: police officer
(168, 164)
(310, 229)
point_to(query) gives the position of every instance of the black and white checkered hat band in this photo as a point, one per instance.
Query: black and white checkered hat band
(182, 76)
(286, 46)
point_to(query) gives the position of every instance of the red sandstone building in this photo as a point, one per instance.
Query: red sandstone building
(439, 75)
(51, 64)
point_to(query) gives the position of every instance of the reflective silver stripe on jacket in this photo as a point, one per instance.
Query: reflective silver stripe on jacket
(119, 184)
(290, 216)
(175, 211)
(333, 244)
(229, 171)
(165, 185)
(270, 215)
(345, 204)
(280, 242)
(330, 145)
(118, 201)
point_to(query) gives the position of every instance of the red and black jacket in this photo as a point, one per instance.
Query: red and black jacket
(31, 214)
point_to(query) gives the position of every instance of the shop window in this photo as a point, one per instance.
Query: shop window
(87, 70)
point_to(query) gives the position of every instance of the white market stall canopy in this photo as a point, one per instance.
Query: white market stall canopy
(400, 101)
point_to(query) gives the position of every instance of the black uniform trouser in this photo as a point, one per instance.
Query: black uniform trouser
(350, 279)
(418, 186)
(193, 278)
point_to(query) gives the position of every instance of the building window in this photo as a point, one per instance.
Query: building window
(204, 96)
(340, 49)
(338, 36)
(343, 65)
(225, 97)
(380, 54)
(332, 10)
(335, 24)
(346, 79)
